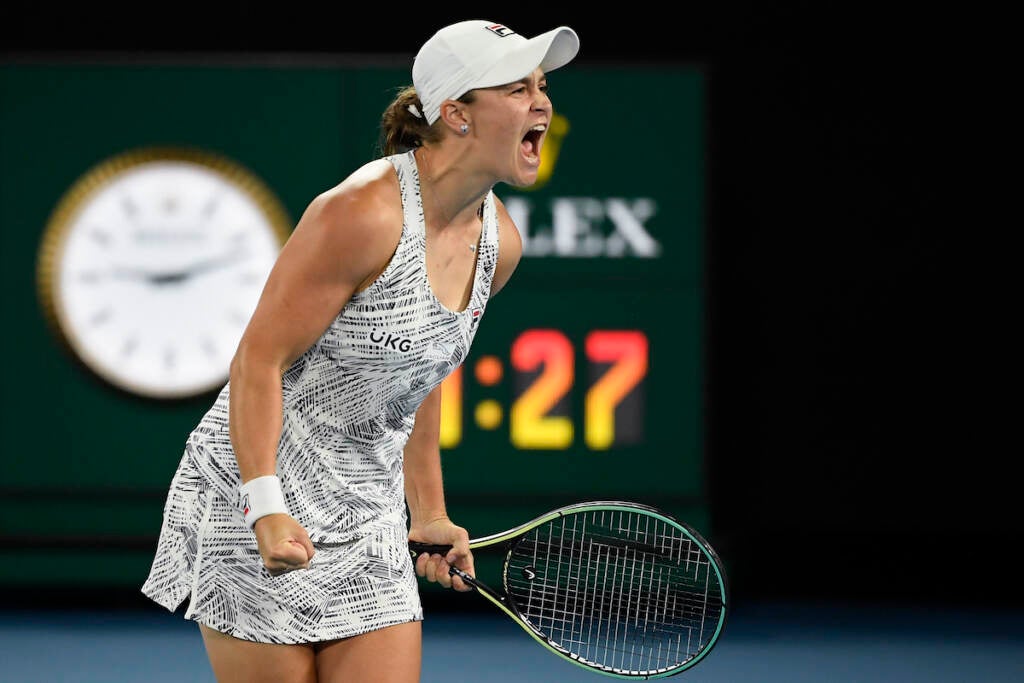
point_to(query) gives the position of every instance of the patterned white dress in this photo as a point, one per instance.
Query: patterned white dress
(349, 407)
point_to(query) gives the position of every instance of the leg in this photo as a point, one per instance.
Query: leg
(241, 661)
(390, 655)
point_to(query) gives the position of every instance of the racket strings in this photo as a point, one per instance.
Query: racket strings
(617, 590)
(643, 571)
(644, 588)
(642, 596)
(629, 622)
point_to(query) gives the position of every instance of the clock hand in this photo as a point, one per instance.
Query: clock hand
(176, 276)
(126, 273)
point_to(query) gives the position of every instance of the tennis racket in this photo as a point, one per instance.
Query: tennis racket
(616, 587)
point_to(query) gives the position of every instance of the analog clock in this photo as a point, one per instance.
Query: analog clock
(152, 264)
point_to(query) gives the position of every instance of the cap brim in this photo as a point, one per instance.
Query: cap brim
(549, 51)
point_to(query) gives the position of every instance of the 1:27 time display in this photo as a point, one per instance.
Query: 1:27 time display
(544, 363)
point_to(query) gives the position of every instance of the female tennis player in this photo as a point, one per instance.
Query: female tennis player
(288, 519)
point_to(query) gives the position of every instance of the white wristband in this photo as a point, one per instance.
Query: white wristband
(260, 497)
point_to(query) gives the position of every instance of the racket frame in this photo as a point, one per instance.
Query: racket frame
(508, 606)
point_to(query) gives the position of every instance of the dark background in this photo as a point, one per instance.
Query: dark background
(849, 454)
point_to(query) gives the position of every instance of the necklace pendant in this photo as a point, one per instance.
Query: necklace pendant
(472, 248)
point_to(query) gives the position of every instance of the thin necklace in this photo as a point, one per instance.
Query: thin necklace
(440, 208)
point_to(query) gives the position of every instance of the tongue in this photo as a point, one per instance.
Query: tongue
(527, 148)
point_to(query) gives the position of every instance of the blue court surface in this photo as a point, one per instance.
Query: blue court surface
(764, 642)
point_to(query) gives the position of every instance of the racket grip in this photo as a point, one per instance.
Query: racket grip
(416, 549)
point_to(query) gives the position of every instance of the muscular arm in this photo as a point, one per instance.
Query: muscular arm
(424, 490)
(342, 240)
(424, 493)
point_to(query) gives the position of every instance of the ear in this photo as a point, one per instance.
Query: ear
(454, 115)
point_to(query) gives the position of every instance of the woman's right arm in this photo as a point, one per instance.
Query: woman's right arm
(342, 241)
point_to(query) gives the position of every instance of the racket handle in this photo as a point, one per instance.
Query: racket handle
(416, 549)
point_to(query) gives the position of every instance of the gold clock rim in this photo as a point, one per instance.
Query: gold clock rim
(74, 199)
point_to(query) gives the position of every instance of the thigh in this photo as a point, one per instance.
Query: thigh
(388, 655)
(242, 661)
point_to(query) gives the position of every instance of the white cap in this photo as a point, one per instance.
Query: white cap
(481, 54)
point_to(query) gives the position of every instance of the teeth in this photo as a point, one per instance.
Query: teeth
(540, 127)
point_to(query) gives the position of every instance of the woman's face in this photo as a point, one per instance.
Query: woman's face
(510, 122)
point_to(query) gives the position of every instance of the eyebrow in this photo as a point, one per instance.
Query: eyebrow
(525, 80)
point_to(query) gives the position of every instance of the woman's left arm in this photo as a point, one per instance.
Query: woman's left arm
(424, 487)
(424, 493)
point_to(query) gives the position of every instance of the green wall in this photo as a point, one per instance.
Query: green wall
(87, 465)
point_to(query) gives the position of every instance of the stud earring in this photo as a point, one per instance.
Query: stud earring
(464, 128)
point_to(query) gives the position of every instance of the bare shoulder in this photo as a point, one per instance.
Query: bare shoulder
(510, 247)
(359, 218)
(363, 205)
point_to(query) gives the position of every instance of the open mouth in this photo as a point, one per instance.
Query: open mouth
(531, 143)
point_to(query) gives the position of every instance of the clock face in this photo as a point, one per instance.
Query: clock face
(153, 264)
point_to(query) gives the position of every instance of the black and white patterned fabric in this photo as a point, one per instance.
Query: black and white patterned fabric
(349, 404)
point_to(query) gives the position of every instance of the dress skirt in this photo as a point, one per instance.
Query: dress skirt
(207, 554)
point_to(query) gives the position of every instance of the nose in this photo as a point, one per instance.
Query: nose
(541, 101)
